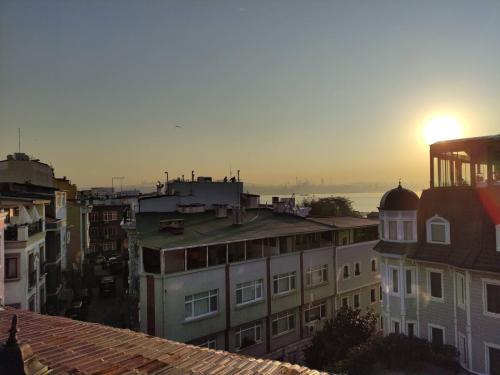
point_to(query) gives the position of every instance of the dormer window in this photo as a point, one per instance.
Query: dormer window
(438, 230)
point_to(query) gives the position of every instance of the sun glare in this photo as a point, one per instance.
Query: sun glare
(441, 129)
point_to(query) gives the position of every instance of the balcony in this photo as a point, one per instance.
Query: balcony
(22, 232)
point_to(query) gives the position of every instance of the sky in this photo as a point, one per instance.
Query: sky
(332, 91)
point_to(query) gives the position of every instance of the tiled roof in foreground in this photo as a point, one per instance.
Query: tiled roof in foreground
(73, 347)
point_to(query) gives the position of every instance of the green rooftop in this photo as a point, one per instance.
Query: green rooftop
(204, 228)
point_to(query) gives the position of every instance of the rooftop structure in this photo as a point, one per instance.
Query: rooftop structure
(72, 347)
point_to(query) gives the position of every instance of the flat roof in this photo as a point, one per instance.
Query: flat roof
(204, 228)
(345, 221)
(4, 200)
(70, 346)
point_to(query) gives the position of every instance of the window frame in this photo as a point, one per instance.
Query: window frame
(394, 320)
(255, 327)
(289, 275)
(415, 325)
(280, 316)
(323, 268)
(393, 268)
(344, 277)
(255, 285)
(372, 262)
(488, 346)
(437, 326)
(373, 293)
(357, 263)
(429, 289)
(17, 257)
(461, 277)
(346, 298)
(354, 300)
(436, 219)
(412, 271)
(193, 300)
(485, 282)
(321, 305)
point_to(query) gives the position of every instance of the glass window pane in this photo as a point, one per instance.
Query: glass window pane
(201, 307)
(438, 233)
(493, 298)
(436, 285)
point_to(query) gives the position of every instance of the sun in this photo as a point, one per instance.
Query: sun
(441, 129)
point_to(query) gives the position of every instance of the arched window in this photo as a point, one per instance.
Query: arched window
(438, 230)
(345, 271)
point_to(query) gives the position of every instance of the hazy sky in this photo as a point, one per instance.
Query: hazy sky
(337, 90)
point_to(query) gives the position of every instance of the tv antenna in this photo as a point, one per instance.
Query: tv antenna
(113, 185)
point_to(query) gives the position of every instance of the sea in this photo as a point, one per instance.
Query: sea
(362, 202)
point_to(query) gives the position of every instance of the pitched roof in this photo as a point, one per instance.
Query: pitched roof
(472, 214)
(73, 347)
(204, 228)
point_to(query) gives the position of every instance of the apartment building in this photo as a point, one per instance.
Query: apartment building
(247, 280)
(440, 253)
(25, 177)
(24, 253)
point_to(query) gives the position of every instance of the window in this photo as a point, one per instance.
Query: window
(435, 285)
(110, 215)
(394, 280)
(356, 301)
(373, 297)
(248, 335)
(284, 282)
(12, 267)
(282, 323)
(209, 343)
(438, 230)
(408, 230)
(316, 311)
(94, 216)
(317, 275)
(396, 326)
(110, 231)
(436, 334)
(345, 271)
(463, 350)
(249, 292)
(492, 359)
(357, 269)
(345, 302)
(109, 246)
(460, 281)
(411, 328)
(491, 297)
(374, 265)
(409, 281)
(200, 304)
(393, 230)
(380, 293)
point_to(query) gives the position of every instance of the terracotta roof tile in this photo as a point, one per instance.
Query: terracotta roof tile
(78, 348)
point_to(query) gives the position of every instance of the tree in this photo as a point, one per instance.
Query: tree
(331, 345)
(331, 206)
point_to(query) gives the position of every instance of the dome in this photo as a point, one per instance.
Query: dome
(399, 199)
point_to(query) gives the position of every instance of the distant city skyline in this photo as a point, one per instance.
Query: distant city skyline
(324, 91)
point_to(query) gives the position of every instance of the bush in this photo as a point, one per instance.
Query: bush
(399, 352)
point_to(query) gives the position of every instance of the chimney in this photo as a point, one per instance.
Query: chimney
(238, 214)
(220, 210)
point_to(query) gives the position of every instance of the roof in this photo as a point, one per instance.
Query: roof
(5, 200)
(73, 347)
(399, 199)
(204, 228)
(461, 141)
(345, 221)
(472, 227)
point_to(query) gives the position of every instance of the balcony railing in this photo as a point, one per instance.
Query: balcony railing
(35, 227)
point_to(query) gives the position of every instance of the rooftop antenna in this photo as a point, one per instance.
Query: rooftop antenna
(121, 178)
(19, 138)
